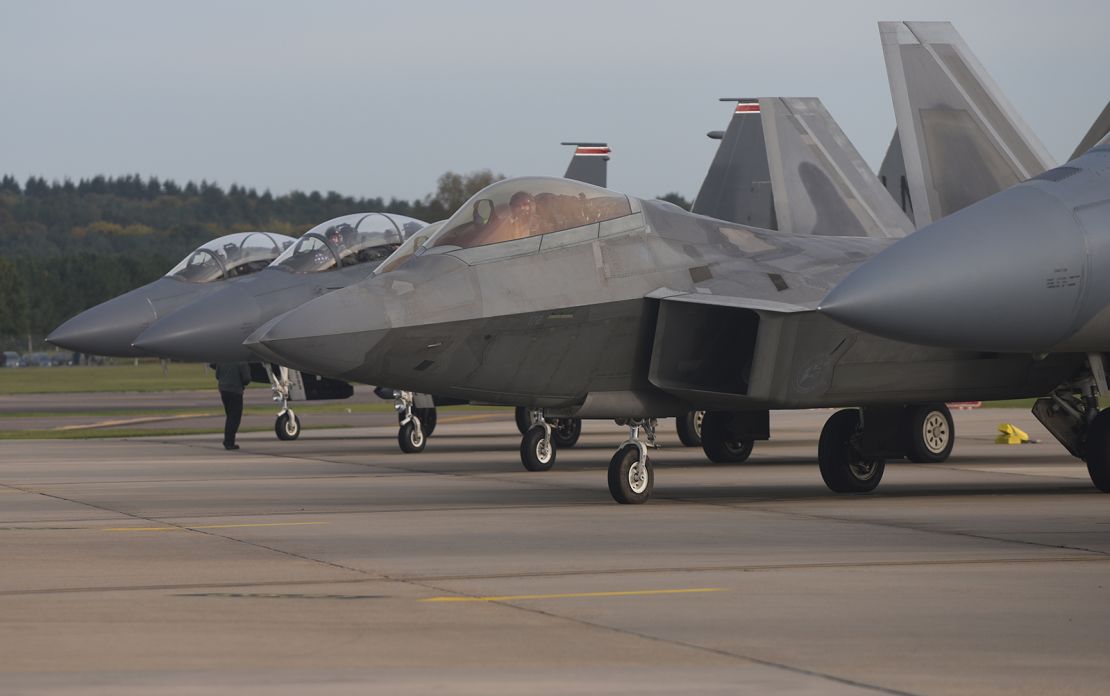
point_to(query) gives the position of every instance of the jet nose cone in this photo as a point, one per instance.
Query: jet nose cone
(108, 328)
(1003, 275)
(211, 329)
(332, 335)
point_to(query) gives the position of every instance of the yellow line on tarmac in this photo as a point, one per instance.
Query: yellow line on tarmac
(478, 416)
(131, 421)
(575, 595)
(207, 526)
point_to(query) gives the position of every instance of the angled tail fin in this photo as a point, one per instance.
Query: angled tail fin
(589, 164)
(892, 174)
(961, 139)
(785, 164)
(737, 187)
(1098, 131)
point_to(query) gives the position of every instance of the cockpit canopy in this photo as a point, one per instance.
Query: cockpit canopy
(406, 250)
(348, 241)
(526, 207)
(231, 256)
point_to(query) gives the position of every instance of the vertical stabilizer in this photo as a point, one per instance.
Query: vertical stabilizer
(892, 174)
(589, 164)
(737, 187)
(961, 139)
(1099, 130)
(822, 185)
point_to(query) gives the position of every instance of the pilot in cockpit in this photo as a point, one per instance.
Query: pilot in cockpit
(523, 219)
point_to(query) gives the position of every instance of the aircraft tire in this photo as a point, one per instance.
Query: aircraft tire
(689, 428)
(523, 420)
(718, 444)
(1098, 451)
(932, 434)
(566, 431)
(427, 418)
(287, 428)
(411, 441)
(630, 483)
(535, 453)
(843, 468)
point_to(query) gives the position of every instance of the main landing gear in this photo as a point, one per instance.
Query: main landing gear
(287, 426)
(689, 428)
(1071, 414)
(416, 423)
(855, 443)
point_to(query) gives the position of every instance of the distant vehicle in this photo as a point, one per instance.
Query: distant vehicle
(59, 358)
(11, 358)
(38, 360)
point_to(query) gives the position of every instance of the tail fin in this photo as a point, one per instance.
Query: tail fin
(589, 164)
(1098, 131)
(892, 174)
(961, 139)
(785, 164)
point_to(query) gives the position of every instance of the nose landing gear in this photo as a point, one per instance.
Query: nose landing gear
(631, 477)
(416, 424)
(287, 426)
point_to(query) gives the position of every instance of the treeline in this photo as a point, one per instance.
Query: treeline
(68, 245)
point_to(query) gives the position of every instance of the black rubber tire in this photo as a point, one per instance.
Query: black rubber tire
(620, 467)
(931, 434)
(427, 418)
(523, 420)
(287, 429)
(566, 431)
(842, 467)
(718, 444)
(533, 454)
(1098, 451)
(409, 441)
(689, 428)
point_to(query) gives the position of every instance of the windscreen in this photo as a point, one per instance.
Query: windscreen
(519, 208)
(406, 250)
(231, 256)
(349, 240)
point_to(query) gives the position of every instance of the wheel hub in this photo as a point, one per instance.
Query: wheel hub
(935, 432)
(637, 476)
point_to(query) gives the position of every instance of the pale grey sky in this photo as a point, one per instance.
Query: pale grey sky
(378, 99)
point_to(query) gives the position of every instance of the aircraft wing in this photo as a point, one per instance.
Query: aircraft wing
(785, 164)
(1099, 129)
(961, 139)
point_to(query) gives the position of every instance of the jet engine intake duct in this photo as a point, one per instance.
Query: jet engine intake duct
(704, 348)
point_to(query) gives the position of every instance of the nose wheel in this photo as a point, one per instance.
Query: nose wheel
(415, 424)
(537, 448)
(287, 426)
(631, 476)
(566, 431)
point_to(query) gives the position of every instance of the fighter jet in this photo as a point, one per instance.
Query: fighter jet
(110, 328)
(329, 256)
(584, 301)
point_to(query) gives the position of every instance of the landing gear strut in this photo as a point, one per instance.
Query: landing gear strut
(416, 424)
(566, 431)
(1071, 414)
(287, 426)
(631, 477)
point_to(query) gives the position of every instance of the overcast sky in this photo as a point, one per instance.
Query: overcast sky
(378, 99)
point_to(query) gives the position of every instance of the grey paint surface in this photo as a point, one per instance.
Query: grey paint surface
(1097, 132)
(960, 138)
(1019, 271)
(892, 175)
(302, 568)
(585, 327)
(785, 164)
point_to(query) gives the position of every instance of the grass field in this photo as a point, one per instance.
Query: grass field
(144, 377)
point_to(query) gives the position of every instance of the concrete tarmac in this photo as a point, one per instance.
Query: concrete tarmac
(336, 565)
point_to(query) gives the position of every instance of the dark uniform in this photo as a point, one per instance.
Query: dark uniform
(232, 378)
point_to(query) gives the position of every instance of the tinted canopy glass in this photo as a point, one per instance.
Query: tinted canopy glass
(230, 256)
(519, 208)
(349, 240)
(406, 250)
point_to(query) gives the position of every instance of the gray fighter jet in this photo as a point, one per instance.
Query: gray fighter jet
(329, 256)
(596, 304)
(110, 328)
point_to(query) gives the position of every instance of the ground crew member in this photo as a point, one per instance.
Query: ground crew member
(232, 378)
